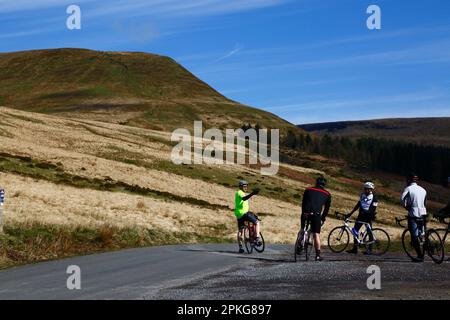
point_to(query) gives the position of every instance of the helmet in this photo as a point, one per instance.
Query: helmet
(321, 182)
(369, 185)
(412, 177)
(243, 183)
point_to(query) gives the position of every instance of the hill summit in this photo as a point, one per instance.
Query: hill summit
(134, 88)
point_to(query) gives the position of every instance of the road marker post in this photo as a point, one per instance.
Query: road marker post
(2, 202)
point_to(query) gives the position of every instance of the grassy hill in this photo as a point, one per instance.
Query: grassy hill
(420, 130)
(85, 159)
(75, 186)
(133, 88)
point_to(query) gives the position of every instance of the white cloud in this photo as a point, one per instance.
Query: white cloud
(147, 7)
(23, 5)
(237, 48)
(349, 103)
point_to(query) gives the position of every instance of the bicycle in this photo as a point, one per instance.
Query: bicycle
(445, 219)
(303, 242)
(429, 240)
(376, 240)
(250, 238)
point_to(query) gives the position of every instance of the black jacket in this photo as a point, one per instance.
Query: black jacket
(315, 200)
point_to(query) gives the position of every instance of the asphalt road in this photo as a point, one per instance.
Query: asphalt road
(217, 272)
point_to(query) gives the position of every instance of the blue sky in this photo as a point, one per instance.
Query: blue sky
(304, 60)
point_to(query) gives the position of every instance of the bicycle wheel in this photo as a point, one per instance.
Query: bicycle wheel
(407, 245)
(434, 246)
(445, 240)
(338, 239)
(248, 240)
(261, 247)
(307, 245)
(298, 248)
(381, 241)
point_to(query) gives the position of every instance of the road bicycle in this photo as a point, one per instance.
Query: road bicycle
(376, 240)
(303, 243)
(250, 238)
(445, 219)
(429, 240)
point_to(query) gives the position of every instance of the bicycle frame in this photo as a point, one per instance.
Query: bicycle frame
(306, 235)
(252, 231)
(361, 237)
(445, 231)
(421, 230)
(304, 240)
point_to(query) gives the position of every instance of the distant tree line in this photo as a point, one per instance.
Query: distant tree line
(431, 163)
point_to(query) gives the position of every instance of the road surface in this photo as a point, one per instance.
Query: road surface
(215, 271)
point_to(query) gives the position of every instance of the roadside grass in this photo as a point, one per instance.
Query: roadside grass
(30, 243)
(396, 246)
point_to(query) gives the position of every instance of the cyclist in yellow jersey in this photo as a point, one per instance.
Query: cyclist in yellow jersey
(242, 213)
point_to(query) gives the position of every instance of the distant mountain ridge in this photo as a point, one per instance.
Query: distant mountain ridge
(429, 131)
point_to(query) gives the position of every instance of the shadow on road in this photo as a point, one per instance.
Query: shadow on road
(286, 257)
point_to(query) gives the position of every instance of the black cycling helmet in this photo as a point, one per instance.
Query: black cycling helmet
(412, 177)
(321, 182)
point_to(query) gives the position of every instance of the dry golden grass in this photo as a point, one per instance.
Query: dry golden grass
(77, 145)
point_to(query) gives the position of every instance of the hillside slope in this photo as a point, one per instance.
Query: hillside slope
(76, 186)
(432, 130)
(132, 88)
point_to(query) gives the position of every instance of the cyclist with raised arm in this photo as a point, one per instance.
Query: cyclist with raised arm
(414, 200)
(367, 206)
(242, 213)
(315, 206)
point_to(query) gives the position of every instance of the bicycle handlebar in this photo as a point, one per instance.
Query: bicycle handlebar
(341, 215)
(338, 214)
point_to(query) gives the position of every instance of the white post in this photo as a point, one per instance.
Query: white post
(1, 217)
(2, 202)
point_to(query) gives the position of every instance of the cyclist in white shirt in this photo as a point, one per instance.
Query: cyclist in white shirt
(414, 199)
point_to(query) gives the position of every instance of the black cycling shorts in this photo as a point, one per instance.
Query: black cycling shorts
(250, 217)
(315, 222)
(365, 217)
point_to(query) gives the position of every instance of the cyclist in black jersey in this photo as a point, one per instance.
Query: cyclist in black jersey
(315, 206)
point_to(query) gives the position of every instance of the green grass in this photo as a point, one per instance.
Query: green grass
(82, 93)
(30, 243)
